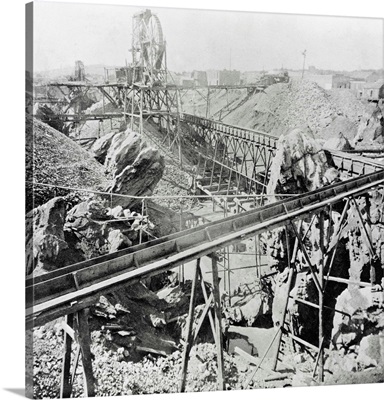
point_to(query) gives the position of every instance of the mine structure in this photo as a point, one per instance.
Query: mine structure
(232, 168)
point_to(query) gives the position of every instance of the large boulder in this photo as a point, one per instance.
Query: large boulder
(135, 166)
(352, 315)
(371, 130)
(47, 238)
(371, 351)
(139, 178)
(125, 147)
(101, 146)
(117, 241)
(300, 164)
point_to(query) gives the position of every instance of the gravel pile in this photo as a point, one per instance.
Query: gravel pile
(176, 179)
(284, 106)
(116, 375)
(54, 159)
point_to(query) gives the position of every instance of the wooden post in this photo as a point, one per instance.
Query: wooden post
(189, 337)
(84, 339)
(321, 298)
(226, 250)
(66, 386)
(219, 333)
(205, 295)
(280, 324)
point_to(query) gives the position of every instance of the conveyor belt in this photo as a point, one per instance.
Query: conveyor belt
(72, 288)
(354, 164)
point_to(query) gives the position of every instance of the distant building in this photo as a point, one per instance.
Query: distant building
(340, 81)
(213, 77)
(229, 78)
(374, 91)
(224, 77)
(200, 78)
(357, 86)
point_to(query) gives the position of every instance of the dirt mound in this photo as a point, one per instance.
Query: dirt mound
(54, 159)
(284, 106)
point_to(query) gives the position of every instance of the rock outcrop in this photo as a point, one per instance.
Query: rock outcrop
(47, 239)
(136, 168)
(370, 132)
(57, 237)
(300, 164)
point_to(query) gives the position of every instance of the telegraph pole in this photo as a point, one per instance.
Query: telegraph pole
(304, 53)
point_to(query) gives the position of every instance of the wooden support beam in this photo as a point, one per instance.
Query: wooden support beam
(75, 364)
(219, 332)
(250, 379)
(189, 336)
(66, 384)
(306, 256)
(320, 358)
(348, 281)
(303, 342)
(206, 298)
(68, 329)
(251, 359)
(84, 339)
(279, 324)
(203, 315)
(328, 263)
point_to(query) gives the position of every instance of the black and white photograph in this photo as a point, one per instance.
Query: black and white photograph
(204, 200)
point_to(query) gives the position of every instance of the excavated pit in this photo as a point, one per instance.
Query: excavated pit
(300, 166)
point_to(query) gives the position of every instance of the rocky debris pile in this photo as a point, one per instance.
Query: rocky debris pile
(60, 234)
(136, 168)
(283, 106)
(177, 298)
(325, 112)
(116, 375)
(176, 179)
(251, 304)
(370, 133)
(133, 319)
(297, 103)
(54, 159)
(358, 331)
(300, 166)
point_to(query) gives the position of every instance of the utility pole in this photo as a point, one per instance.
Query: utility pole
(304, 53)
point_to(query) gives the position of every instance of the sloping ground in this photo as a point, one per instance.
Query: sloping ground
(53, 158)
(284, 106)
(175, 180)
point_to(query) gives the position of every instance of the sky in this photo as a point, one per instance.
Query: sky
(201, 39)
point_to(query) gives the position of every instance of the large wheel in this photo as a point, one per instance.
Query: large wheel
(151, 43)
